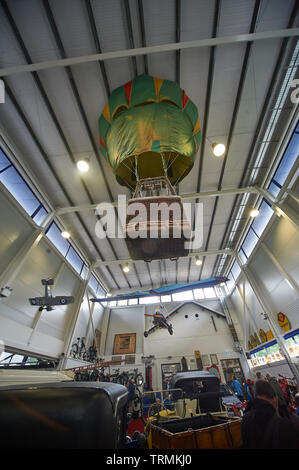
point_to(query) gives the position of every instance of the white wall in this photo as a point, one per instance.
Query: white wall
(189, 335)
(17, 316)
(283, 241)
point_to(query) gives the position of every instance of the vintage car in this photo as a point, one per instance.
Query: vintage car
(63, 415)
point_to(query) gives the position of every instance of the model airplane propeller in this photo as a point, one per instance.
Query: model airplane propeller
(48, 301)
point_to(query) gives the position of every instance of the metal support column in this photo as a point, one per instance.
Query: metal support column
(237, 344)
(246, 310)
(76, 311)
(90, 322)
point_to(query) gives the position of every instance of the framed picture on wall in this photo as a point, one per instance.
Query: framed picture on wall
(124, 343)
(214, 359)
(205, 360)
(130, 359)
(117, 360)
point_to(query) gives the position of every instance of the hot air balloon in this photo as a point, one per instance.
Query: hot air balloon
(149, 134)
(149, 127)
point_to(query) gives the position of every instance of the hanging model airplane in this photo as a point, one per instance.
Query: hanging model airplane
(160, 321)
(48, 301)
(165, 290)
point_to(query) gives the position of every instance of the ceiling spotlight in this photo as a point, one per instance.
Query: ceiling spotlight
(218, 149)
(198, 261)
(65, 234)
(83, 165)
(126, 268)
(254, 213)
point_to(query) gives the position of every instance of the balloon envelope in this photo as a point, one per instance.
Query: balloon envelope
(149, 128)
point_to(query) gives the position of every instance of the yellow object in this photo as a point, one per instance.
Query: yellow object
(263, 335)
(283, 321)
(269, 335)
(197, 354)
(253, 341)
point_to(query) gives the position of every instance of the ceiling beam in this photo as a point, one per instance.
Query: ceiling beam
(219, 41)
(185, 197)
(98, 263)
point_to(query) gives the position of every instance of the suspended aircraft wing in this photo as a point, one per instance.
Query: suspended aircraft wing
(165, 290)
(51, 301)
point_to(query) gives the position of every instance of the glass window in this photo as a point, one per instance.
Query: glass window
(243, 256)
(198, 294)
(235, 271)
(74, 259)
(133, 301)
(84, 271)
(263, 218)
(165, 298)
(288, 160)
(249, 243)
(112, 303)
(179, 296)
(209, 293)
(101, 292)
(54, 235)
(15, 184)
(93, 283)
(274, 189)
(4, 162)
(40, 216)
(122, 303)
(149, 300)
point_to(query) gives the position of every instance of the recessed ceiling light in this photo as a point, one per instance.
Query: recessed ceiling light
(65, 234)
(198, 261)
(218, 149)
(126, 268)
(254, 213)
(83, 165)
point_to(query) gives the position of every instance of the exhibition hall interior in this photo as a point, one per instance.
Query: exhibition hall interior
(149, 234)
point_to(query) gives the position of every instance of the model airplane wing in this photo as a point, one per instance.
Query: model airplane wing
(165, 290)
(51, 301)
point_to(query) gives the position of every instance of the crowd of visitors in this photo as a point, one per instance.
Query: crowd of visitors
(268, 421)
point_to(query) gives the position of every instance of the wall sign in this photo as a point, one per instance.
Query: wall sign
(283, 321)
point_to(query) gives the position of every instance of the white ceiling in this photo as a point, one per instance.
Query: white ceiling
(74, 28)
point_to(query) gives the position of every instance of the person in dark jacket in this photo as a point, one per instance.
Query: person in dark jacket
(262, 427)
(282, 403)
(131, 396)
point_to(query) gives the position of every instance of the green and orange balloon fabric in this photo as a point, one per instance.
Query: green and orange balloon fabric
(149, 127)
